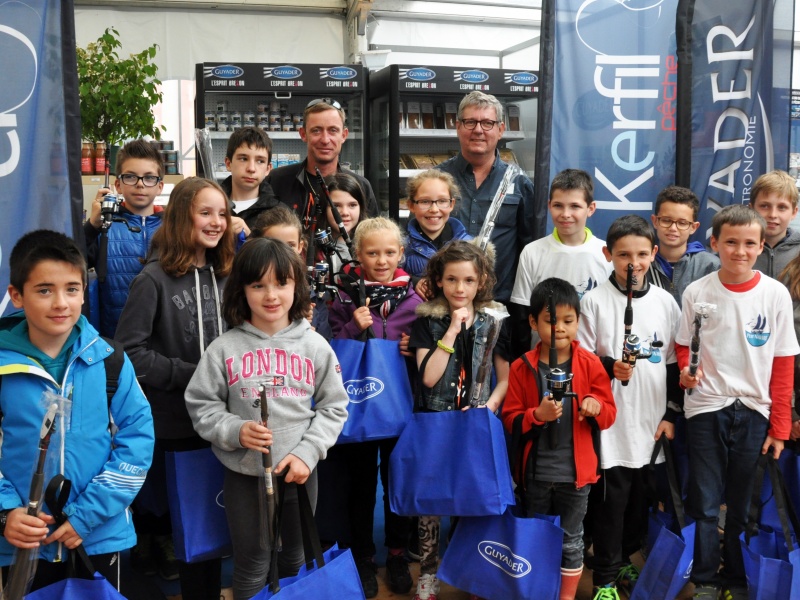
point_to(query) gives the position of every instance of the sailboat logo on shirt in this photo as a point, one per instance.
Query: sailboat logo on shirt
(655, 348)
(757, 332)
(582, 288)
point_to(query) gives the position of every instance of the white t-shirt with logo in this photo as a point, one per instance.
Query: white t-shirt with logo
(738, 342)
(584, 266)
(642, 403)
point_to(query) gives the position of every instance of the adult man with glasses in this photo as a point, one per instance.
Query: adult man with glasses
(140, 174)
(678, 261)
(478, 172)
(324, 131)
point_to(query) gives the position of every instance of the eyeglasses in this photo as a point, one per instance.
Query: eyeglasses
(330, 101)
(486, 124)
(147, 180)
(666, 223)
(426, 204)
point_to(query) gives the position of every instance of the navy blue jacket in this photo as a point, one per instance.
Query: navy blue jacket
(419, 250)
(126, 257)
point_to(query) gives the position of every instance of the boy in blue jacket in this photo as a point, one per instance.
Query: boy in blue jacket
(139, 181)
(102, 443)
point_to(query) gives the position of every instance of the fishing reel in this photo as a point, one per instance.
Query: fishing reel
(109, 208)
(559, 383)
(633, 349)
(318, 278)
(324, 240)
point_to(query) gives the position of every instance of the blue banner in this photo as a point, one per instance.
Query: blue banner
(736, 96)
(614, 94)
(37, 117)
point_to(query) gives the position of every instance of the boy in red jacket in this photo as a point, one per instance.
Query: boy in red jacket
(559, 441)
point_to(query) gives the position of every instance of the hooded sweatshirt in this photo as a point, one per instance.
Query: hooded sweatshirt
(306, 397)
(695, 263)
(160, 330)
(772, 261)
(106, 473)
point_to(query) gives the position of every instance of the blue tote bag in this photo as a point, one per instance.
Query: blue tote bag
(88, 587)
(328, 574)
(194, 487)
(451, 464)
(376, 379)
(771, 558)
(73, 588)
(337, 577)
(789, 464)
(670, 539)
(505, 556)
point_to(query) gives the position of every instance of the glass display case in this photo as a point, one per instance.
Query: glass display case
(273, 97)
(413, 122)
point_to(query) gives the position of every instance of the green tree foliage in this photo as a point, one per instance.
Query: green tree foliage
(117, 95)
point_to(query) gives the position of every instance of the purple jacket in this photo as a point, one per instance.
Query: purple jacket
(340, 317)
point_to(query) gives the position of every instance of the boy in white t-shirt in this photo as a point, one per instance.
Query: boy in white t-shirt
(741, 405)
(571, 252)
(617, 503)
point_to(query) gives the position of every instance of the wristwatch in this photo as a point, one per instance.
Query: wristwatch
(3, 519)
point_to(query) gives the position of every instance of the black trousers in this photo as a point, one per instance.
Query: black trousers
(348, 482)
(619, 520)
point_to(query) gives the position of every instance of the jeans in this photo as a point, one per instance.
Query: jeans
(569, 503)
(724, 446)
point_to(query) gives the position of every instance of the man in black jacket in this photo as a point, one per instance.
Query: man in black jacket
(324, 132)
(248, 158)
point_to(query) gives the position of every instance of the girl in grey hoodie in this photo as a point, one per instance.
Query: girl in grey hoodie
(270, 345)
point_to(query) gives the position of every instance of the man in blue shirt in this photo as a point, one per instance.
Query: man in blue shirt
(478, 172)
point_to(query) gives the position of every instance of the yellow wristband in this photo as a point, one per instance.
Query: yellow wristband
(445, 347)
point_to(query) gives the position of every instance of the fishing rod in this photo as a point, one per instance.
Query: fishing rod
(23, 569)
(702, 310)
(337, 218)
(109, 213)
(559, 381)
(494, 208)
(269, 489)
(631, 345)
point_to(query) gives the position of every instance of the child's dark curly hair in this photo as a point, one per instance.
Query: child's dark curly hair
(462, 251)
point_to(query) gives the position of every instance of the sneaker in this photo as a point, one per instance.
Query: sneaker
(606, 592)
(367, 572)
(734, 592)
(427, 588)
(627, 578)
(165, 558)
(142, 559)
(399, 577)
(707, 592)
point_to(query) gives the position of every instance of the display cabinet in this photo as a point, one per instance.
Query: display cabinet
(274, 96)
(413, 121)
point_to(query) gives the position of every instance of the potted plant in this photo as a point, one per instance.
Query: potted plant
(117, 95)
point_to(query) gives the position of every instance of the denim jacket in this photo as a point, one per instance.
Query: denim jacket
(442, 396)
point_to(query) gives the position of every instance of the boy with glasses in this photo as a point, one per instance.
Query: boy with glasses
(774, 197)
(678, 261)
(478, 172)
(140, 174)
(324, 131)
